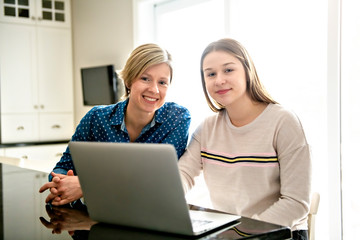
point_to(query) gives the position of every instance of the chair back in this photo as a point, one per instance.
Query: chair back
(314, 205)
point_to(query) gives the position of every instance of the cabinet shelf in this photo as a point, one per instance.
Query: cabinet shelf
(40, 12)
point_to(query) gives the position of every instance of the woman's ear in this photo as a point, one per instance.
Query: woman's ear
(127, 86)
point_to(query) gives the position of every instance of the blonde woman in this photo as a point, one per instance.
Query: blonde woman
(142, 117)
(253, 152)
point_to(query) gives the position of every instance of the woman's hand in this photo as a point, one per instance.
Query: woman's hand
(63, 189)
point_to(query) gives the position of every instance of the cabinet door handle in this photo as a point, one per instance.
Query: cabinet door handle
(58, 155)
(42, 106)
(36, 106)
(56, 126)
(20, 128)
(24, 157)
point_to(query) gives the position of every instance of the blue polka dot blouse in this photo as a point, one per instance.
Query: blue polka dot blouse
(106, 124)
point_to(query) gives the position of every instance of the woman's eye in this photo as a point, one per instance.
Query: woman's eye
(228, 70)
(144, 78)
(163, 83)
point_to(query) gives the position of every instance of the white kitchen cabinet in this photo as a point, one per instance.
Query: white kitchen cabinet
(55, 86)
(36, 76)
(19, 127)
(56, 126)
(18, 68)
(40, 12)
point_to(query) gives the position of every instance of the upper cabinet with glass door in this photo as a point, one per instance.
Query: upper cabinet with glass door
(38, 12)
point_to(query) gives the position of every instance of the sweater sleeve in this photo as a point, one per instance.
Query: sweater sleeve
(295, 174)
(190, 164)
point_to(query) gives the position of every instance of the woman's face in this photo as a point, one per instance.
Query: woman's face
(148, 91)
(225, 78)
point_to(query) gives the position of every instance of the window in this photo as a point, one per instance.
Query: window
(185, 39)
(289, 43)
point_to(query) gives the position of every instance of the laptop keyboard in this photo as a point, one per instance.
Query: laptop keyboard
(198, 222)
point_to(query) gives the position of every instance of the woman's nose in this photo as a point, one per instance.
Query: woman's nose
(154, 88)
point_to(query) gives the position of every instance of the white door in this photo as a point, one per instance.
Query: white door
(18, 68)
(55, 70)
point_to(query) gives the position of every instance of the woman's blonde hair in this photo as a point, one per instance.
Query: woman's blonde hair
(140, 59)
(254, 87)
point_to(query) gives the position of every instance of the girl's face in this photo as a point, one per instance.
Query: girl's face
(148, 91)
(225, 78)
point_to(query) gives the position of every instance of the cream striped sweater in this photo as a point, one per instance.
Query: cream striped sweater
(261, 170)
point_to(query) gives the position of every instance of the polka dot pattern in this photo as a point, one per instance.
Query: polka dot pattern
(106, 124)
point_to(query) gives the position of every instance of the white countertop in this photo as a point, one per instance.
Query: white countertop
(42, 166)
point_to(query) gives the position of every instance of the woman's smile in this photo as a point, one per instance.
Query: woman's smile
(150, 99)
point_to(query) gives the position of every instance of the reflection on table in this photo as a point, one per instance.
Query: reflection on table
(67, 218)
(76, 221)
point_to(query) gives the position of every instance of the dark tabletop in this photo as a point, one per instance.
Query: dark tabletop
(24, 215)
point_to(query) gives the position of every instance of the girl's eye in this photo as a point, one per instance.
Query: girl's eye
(228, 70)
(211, 74)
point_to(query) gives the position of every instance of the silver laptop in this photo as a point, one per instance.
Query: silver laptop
(138, 185)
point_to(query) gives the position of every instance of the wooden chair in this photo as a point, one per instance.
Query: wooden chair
(314, 205)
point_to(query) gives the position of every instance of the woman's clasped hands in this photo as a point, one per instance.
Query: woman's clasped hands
(63, 189)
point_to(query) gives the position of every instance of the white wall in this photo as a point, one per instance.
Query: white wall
(102, 34)
(350, 116)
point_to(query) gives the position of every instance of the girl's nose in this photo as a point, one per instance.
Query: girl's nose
(220, 79)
